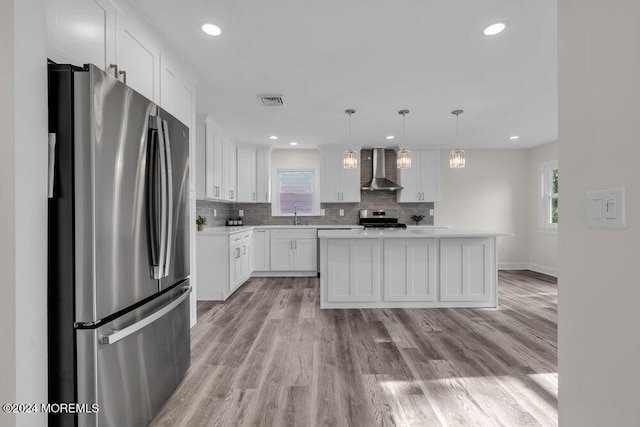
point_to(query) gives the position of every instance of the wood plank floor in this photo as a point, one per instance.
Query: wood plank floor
(269, 356)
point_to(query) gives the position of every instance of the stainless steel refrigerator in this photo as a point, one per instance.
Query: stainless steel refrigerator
(118, 273)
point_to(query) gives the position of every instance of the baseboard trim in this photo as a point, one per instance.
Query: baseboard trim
(528, 266)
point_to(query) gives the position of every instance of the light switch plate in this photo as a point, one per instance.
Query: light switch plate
(430, 212)
(341, 212)
(322, 212)
(240, 213)
(606, 208)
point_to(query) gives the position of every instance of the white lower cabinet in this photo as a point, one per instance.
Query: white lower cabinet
(294, 250)
(466, 271)
(410, 269)
(353, 270)
(224, 262)
(261, 250)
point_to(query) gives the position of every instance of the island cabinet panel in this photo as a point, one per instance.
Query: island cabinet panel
(410, 269)
(465, 269)
(353, 270)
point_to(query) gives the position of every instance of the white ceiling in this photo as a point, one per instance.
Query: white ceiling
(376, 56)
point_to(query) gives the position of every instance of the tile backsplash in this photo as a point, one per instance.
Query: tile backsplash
(260, 213)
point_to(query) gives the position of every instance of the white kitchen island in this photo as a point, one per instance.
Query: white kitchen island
(407, 268)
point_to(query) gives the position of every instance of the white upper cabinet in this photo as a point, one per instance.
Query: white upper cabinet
(246, 178)
(338, 184)
(229, 171)
(201, 158)
(215, 181)
(138, 56)
(421, 182)
(81, 32)
(216, 160)
(263, 176)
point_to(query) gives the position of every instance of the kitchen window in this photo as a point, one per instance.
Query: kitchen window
(296, 192)
(548, 202)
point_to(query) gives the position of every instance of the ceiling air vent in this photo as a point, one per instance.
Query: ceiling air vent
(271, 100)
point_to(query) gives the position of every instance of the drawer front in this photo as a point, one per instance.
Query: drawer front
(294, 233)
(240, 237)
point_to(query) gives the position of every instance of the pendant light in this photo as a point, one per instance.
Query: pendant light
(456, 158)
(404, 155)
(350, 158)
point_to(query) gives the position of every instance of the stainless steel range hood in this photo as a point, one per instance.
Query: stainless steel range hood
(380, 182)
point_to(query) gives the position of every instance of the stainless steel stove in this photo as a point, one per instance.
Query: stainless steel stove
(380, 219)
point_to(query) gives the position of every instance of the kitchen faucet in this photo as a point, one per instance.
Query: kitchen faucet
(295, 214)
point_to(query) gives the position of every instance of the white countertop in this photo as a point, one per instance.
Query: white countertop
(224, 230)
(408, 233)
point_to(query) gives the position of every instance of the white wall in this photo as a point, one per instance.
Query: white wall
(490, 193)
(24, 205)
(7, 213)
(599, 288)
(543, 244)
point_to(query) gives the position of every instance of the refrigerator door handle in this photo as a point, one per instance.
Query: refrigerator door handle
(163, 197)
(169, 198)
(152, 198)
(116, 336)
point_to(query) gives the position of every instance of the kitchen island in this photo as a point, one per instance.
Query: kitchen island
(408, 268)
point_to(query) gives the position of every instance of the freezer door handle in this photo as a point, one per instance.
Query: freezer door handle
(169, 199)
(116, 336)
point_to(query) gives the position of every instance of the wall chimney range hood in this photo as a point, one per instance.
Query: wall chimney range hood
(379, 182)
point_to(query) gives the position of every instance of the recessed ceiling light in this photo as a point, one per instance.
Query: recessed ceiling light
(494, 29)
(514, 137)
(212, 30)
(390, 137)
(293, 143)
(273, 137)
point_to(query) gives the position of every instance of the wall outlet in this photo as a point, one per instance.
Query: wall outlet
(430, 212)
(215, 212)
(322, 212)
(240, 213)
(341, 212)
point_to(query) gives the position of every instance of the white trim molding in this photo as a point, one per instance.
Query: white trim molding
(528, 266)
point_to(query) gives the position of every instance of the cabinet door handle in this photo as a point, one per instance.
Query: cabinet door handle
(253, 196)
(244, 250)
(114, 67)
(237, 252)
(124, 76)
(295, 243)
(266, 196)
(291, 244)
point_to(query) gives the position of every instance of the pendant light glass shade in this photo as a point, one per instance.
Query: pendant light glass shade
(404, 155)
(350, 157)
(404, 159)
(456, 159)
